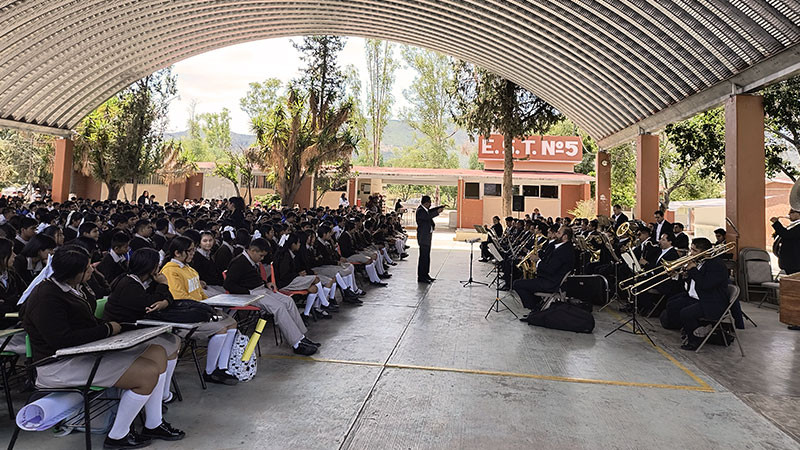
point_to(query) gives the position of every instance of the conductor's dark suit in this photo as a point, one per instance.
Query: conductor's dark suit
(620, 219)
(425, 227)
(666, 227)
(549, 273)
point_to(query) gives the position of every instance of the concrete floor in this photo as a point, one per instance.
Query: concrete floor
(418, 366)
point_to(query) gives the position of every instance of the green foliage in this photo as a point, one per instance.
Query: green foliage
(782, 109)
(700, 141)
(381, 66)
(358, 121)
(430, 96)
(332, 177)
(262, 97)
(209, 136)
(269, 200)
(176, 164)
(25, 159)
(230, 172)
(123, 139)
(425, 154)
(474, 164)
(623, 175)
(322, 78)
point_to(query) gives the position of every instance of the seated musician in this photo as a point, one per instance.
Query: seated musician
(667, 252)
(550, 271)
(57, 316)
(721, 237)
(184, 284)
(706, 297)
(681, 239)
(244, 277)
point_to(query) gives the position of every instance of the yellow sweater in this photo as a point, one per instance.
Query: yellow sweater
(183, 281)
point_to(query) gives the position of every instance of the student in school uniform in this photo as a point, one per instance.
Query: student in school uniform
(291, 276)
(203, 263)
(33, 257)
(332, 264)
(184, 283)
(143, 230)
(115, 262)
(27, 229)
(244, 277)
(11, 288)
(224, 254)
(60, 313)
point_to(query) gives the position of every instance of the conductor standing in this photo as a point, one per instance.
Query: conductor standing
(425, 227)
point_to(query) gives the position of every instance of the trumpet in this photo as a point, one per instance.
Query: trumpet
(664, 272)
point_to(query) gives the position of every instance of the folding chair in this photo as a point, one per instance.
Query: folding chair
(8, 358)
(733, 294)
(756, 272)
(558, 296)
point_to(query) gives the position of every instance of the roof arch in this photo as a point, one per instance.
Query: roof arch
(615, 67)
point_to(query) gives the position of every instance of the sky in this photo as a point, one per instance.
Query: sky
(218, 79)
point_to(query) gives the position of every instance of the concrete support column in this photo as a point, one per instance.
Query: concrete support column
(62, 169)
(351, 191)
(646, 176)
(460, 201)
(744, 170)
(603, 184)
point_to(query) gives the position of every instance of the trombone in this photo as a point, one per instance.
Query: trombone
(663, 272)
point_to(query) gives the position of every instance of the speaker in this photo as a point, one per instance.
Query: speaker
(518, 203)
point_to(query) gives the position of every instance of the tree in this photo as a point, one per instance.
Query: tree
(486, 103)
(782, 110)
(261, 97)
(294, 147)
(246, 162)
(358, 121)
(209, 135)
(230, 172)
(122, 140)
(685, 180)
(623, 175)
(322, 78)
(176, 165)
(25, 158)
(381, 66)
(331, 177)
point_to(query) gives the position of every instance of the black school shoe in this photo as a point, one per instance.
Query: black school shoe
(308, 341)
(131, 440)
(165, 432)
(305, 349)
(219, 376)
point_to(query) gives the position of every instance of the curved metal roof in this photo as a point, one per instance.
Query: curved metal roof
(613, 66)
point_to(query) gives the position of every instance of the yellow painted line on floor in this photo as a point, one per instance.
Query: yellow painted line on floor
(703, 385)
(499, 374)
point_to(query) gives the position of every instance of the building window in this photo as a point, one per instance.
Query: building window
(472, 190)
(365, 188)
(530, 191)
(549, 191)
(515, 190)
(492, 189)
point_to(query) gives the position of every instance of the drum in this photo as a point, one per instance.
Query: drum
(790, 299)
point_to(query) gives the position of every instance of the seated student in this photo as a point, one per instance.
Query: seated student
(290, 276)
(27, 229)
(71, 230)
(11, 288)
(244, 277)
(159, 235)
(330, 263)
(203, 263)
(347, 247)
(115, 263)
(706, 296)
(88, 233)
(224, 254)
(184, 283)
(141, 239)
(306, 260)
(549, 271)
(33, 257)
(56, 317)
(241, 242)
(55, 232)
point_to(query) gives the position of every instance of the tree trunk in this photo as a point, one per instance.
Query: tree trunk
(508, 169)
(135, 189)
(113, 190)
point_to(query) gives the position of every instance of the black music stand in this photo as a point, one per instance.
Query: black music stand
(470, 282)
(636, 326)
(497, 300)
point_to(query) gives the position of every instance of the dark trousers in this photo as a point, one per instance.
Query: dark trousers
(671, 317)
(424, 264)
(690, 320)
(526, 289)
(485, 250)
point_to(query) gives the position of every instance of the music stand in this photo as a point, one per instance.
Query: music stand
(497, 300)
(470, 282)
(480, 229)
(636, 326)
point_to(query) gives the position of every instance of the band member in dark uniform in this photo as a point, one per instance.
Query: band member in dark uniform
(789, 259)
(619, 217)
(498, 231)
(549, 271)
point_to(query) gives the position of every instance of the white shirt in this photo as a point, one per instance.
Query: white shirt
(253, 263)
(117, 258)
(658, 228)
(344, 202)
(692, 288)
(205, 253)
(663, 252)
(283, 239)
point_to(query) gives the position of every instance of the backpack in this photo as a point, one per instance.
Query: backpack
(184, 311)
(563, 316)
(243, 370)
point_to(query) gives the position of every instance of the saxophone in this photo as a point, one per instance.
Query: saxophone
(528, 263)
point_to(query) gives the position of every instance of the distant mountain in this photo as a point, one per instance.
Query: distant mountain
(396, 135)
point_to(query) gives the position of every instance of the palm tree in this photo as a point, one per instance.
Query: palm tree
(175, 167)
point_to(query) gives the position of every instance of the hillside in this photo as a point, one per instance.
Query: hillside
(396, 135)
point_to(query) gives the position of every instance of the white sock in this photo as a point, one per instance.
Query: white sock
(171, 363)
(324, 297)
(379, 266)
(130, 403)
(386, 255)
(398, 245)
(351, 279)
(332, 291)
(373, 276)
(225, 354)
(214, 349)
(152, 408)
(341, 281)
(310, 299)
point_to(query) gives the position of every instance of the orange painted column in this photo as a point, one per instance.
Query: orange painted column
(603, 184)
(460, 201)
(646, 176)
(744, 170)
(351, 191)
(62, 169)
